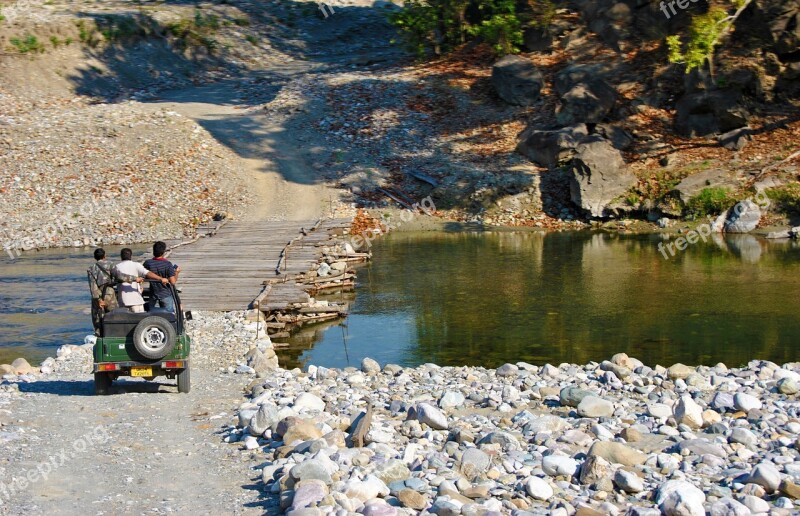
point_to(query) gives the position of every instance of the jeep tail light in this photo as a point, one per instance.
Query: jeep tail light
(172, 364)
(107, 367)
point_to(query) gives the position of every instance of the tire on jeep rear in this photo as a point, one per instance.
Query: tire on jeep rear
(102, 383)
(154, 337)
(184, 382)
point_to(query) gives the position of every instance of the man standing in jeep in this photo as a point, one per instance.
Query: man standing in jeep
(102, 280)
(159, 294)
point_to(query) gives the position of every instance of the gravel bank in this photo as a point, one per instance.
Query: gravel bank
(76, 174)
(611, 438)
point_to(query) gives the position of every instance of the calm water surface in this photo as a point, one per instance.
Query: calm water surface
(44, 302)
(494, 297)
(457, 298)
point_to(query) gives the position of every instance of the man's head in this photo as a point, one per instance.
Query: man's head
(99, 254)
(126, 254)
(159, 248)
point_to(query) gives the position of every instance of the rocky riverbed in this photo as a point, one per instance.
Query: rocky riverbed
(617, 437)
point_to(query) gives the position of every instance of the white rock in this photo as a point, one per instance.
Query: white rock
(628, 481)
(431, 416)
(451, 399)
(680, 498)
(767, 476)
(308, 401)
(538, 488)
(559, 465)
(746, 402)
(688, 412)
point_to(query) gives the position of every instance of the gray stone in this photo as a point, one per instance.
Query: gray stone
(504, 439)
(728, 507)
(722, 401)
(264, 418)
(743, 436)
(586, 102)
(688, 412)
(507, 370)
(680, 498)
(743, 217)
(370, 366)
(538, 489)
(306, 400)
(706, 113)
(549, 148)
(594, 469)
(572, 396)
(516, 80)
(559, 465)
(679, 370)
(702, 447)
(766, 475)
(431, 416)
(546, 423)
(692, 185)
(594, 406)
(598, 175)
(746, 402)
(309, 492)
(621, 372)
(451, 399)
(378, 507)
(755, 504)
(628, 481)
(788, 386)
(617, 453)
(474, 463)
(392, 471)
(311, 469)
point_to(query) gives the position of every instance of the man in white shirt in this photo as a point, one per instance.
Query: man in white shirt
(130, 294)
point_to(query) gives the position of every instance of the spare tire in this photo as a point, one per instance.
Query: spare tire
(154, 337)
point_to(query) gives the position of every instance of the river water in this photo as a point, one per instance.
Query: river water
(45, 301)
(486, 298)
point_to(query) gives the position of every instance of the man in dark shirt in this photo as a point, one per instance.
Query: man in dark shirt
(160, 294)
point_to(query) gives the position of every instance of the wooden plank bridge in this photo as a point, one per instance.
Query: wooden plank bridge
(243, 265)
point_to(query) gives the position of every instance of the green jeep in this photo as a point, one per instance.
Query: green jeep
(143, 345)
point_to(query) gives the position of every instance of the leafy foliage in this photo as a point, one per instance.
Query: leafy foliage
(786, 198)
(706, 32)
(710, 201)
(197, 31)
(441, 25)
(28, 44)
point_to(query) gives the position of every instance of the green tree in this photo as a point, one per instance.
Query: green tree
(706, 32)
(441, 25)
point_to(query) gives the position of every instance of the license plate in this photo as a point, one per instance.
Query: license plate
(141, 371)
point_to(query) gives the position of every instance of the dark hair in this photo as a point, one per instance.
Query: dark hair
(126, 254)
(159, 248)
(99, 253)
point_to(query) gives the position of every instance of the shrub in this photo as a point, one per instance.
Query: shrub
(251, 39)
(786, 199)
(28, 44)
(196, 31)
(441, 25)
(710, 201)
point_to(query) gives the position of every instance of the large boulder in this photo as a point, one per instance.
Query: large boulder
(516, 80)
(691, 186)
(707, 113)
(536, 39)
(548, 148)
(743, 217)
(598, 175)
(587, 102)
